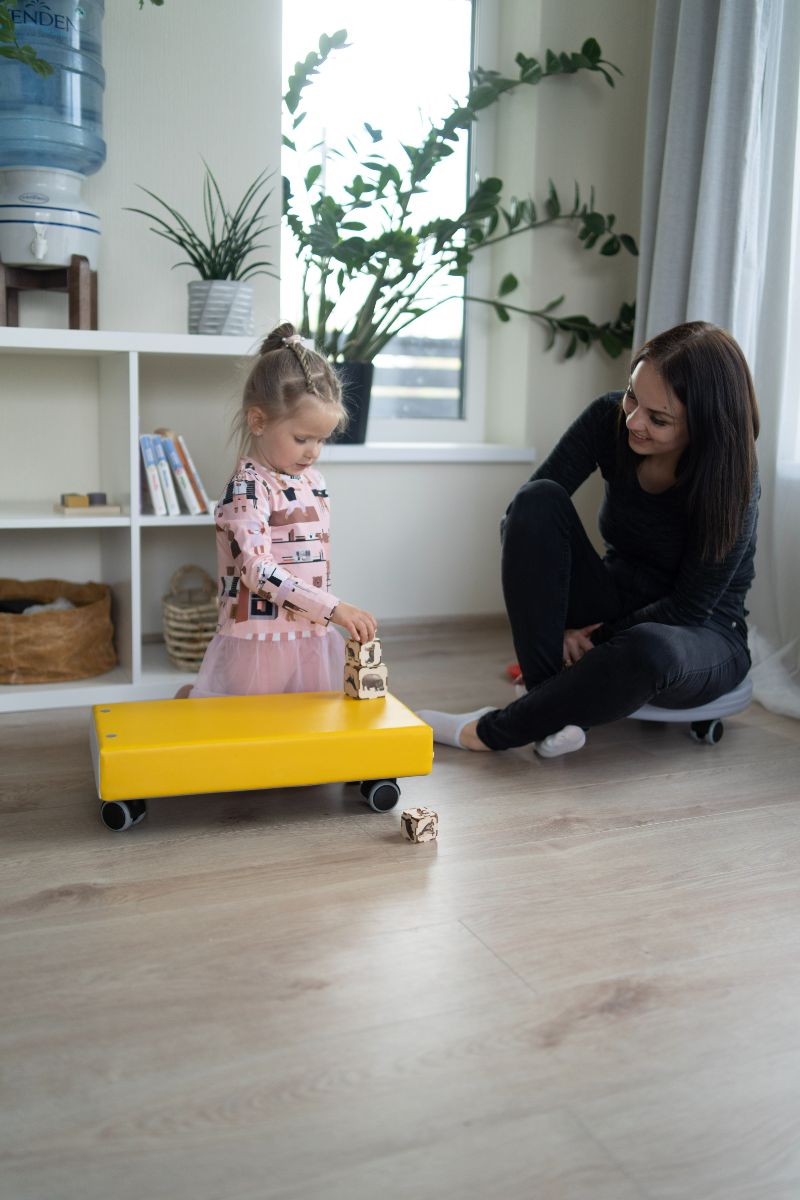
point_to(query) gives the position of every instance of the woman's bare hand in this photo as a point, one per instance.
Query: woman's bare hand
(577, 642)
(359, 624)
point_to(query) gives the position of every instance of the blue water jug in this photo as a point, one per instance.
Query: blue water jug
(55, 121)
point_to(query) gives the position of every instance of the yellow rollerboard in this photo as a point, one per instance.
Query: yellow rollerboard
(239, 743)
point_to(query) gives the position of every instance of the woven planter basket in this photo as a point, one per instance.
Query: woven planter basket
(190, 616)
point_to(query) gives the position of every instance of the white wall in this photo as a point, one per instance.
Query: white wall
(567, 129)
(407, 539)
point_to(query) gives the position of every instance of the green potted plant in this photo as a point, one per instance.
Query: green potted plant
(221, 300)
(364, 242)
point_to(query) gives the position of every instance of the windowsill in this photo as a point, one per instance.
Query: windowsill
(430, 452)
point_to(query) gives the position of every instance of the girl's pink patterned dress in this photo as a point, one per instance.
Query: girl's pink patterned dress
(275, 604)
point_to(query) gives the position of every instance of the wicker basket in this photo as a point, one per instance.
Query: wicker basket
(53, 646)
(190, 616)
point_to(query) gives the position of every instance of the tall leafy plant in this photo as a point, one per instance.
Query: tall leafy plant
(392, 270)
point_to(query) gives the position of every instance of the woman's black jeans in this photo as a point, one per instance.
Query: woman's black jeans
(553, 579)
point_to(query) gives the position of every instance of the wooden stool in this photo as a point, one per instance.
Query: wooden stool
(77, 280)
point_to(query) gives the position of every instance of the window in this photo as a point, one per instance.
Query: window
(402, 70)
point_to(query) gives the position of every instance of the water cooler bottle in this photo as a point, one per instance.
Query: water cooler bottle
(51, 135)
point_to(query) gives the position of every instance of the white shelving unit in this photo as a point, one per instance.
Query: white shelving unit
(73, 404)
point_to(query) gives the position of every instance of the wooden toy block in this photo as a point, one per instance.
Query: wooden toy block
(365, 683)
(419, 825)
(151, 748)
(362, 654)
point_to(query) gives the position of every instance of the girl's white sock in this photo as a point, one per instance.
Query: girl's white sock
(570, 738)
(447, 726)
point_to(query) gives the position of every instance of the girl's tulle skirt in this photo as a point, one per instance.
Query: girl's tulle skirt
(240, 667)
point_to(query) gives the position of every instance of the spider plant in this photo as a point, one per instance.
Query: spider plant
(231, 236)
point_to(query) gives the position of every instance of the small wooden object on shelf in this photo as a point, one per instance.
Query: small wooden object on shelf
(87, 504)
(190, 617)
(86, 510)
(77, 280)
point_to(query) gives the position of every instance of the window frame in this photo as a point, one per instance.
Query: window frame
(471, 425)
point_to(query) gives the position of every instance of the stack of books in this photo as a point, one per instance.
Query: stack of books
(171, 484)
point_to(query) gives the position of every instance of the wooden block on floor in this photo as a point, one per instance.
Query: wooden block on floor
(419, 825)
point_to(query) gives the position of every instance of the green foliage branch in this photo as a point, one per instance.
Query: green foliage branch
(10, 46)
(401, 262)
(231, 235)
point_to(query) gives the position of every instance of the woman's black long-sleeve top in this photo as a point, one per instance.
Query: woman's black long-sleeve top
(648, 548)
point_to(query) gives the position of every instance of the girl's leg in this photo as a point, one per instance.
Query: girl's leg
(553, 578)
(673, 665)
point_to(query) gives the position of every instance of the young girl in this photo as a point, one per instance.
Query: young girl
(661, 617)
(272, 523)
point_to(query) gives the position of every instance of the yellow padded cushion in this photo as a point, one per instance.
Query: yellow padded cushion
(237, 743)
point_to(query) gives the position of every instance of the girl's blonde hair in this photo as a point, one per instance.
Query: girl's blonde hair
(283, 373)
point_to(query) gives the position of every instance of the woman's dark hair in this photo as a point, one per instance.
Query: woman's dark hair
(706, 369)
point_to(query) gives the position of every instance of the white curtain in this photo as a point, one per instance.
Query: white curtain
(721, 242)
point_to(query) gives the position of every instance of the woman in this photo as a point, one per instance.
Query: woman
(661, 617)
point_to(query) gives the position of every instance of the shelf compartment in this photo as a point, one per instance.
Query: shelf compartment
(38, 514)
(149, 521)
(66, 342)
(110, 687)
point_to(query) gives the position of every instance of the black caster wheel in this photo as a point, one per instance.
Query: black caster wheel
(122, 814)
(707, 731)
(380, 794)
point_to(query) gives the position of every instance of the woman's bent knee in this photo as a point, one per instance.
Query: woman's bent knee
(537, 500)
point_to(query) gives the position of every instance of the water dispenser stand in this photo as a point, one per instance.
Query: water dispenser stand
(77, 280)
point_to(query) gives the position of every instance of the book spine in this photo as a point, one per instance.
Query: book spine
(167, 486)
(151, 476)
(185, 489)
(194, 475)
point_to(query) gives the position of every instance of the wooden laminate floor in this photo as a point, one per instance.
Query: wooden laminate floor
(589, 989)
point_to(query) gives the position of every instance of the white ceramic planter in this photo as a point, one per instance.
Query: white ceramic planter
(220, 306)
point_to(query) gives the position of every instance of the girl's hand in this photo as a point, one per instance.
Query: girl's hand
(359, 624)
(577, 643)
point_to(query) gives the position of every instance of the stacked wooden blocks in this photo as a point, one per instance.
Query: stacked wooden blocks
(365, 675)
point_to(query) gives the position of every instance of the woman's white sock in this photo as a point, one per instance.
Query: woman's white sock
(447, 726)
(570, 738)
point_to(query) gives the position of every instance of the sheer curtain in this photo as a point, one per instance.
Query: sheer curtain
(721, 242)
